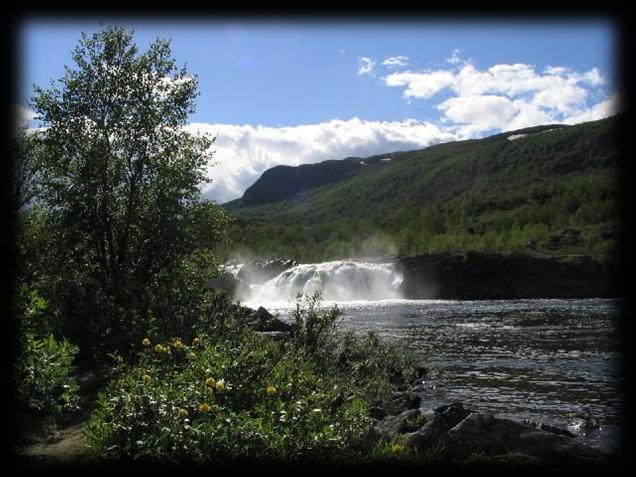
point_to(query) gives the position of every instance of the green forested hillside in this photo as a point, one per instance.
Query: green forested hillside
(552, 191)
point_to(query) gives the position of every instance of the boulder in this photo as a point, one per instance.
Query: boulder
(405, 422)
(459, 433)
(275, 335)
(409, 399)
(232, 285)
(548, 428)
(260, 271)
(263, 320)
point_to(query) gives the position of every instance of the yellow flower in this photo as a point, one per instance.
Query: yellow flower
(196, 341)
(158, 349)
(146, 342)
(204, 408)
(183, 412)
(271, 390)
(147, 378)
(210, 382)
(191, 355)
(397, 449)
(177, 344)
(220, 385)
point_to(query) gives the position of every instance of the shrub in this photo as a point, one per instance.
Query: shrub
(43, 369)
(239, 395)
(45, 385)
(313, 328)
(270, 406)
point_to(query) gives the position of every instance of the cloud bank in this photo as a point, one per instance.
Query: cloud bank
(506, 96)
(243, 153)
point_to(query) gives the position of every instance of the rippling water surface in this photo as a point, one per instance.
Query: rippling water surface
(548, 360)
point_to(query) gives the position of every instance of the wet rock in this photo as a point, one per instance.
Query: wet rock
(260, 271)
(510, 459)
(461, 433)
(428, 435)
(228, 282)
(484, 433)
(583, 426)
(263, 320)
(275, 335)
(452, 414)
(390, 426)
(407, 400)
(548, 428)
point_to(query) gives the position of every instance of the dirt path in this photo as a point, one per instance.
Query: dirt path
(66, 446)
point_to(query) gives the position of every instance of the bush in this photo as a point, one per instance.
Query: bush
(44, 384)
(313, 328)
(239, 395)
(223, 401)
(377, 368)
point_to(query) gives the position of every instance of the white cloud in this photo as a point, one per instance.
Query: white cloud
(24, 115)
(365, 65)
(601, 110)
(455, 59)
(481, 112)
(243, 153)
(504, 96)
(528, 114)
(594, 77)
(421, 85)
(396, 61)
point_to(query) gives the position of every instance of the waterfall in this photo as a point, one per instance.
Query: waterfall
(338, 281)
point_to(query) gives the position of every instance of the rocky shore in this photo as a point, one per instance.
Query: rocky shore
(455, 433)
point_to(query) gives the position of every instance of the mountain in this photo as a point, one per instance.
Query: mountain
(553, 188)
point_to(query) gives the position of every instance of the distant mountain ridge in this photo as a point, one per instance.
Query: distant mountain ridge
(283, 182)
(552, 187)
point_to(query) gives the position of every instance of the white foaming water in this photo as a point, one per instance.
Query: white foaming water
(337, 281)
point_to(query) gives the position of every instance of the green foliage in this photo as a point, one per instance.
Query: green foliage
(120, 207)
(377, 367)
(313, 329)
(237, 396)
(43, 370)
(490, 195)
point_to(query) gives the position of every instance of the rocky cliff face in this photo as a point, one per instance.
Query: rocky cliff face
(473, 276)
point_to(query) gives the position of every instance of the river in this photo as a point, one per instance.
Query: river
(547, 360)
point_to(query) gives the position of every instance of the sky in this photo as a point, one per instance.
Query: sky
(297, 92)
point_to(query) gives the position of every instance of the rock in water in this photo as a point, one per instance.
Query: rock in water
(459, 433)
(263, 320)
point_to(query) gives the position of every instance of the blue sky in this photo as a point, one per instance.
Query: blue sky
(298, 92)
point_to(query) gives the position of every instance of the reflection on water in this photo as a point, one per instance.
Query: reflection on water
(548, 360)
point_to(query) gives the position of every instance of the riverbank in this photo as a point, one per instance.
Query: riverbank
(450, 432)
(481, 276)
